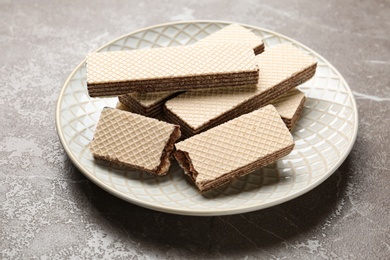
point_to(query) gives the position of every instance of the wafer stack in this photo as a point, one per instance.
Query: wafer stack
(171, 69)
(130, 140)
(151, 104)
(282, 67)
(234, 119)
(235, 148)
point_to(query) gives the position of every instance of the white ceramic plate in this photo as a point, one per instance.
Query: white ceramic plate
(324, 136)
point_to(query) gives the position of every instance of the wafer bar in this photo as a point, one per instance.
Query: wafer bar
(282, 67)
(170, 69)
(144, 103)
(130, 140)
(235, 148)
(290, 106)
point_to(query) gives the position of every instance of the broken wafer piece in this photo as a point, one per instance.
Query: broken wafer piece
(282, 68)
(170, 69)
(131, 140)
(290, 106)
(235, 148)
(150, 104)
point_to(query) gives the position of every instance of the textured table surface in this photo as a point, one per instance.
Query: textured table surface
(49, 210)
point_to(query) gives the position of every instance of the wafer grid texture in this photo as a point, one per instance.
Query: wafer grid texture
(155, 69)
(237, 144)
(131, 140)
(149, 113)
(281, 63)
(288, 105)
(233, 33)
(169, 62)
(156, 113)
(281, 68)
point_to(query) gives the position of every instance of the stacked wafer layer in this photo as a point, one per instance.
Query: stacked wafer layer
(235, 148)
(148, 104)
(171, 69)
(151, 104)
(282, 68)
(289, 107)
(130, 140)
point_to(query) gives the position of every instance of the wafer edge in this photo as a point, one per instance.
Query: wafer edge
(184, 159)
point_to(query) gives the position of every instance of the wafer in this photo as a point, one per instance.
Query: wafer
(290, 106)
(282, 68)
(130, 140)
(150, 104)
(235, 148)
(170, 69)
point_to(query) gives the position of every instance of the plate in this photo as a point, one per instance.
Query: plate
(324, 136)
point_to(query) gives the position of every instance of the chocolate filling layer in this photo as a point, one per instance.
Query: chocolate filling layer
(162, 169)
(185, 162)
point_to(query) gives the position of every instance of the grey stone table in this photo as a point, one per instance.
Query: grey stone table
(49, 210)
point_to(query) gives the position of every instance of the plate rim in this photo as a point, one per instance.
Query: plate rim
(207, 212)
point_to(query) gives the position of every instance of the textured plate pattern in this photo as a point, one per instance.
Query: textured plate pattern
(324, 136)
